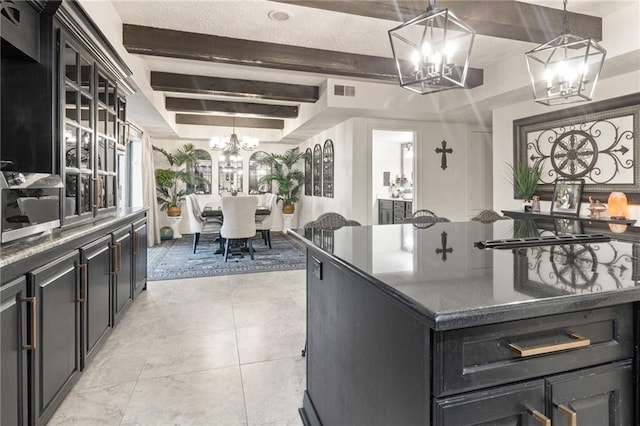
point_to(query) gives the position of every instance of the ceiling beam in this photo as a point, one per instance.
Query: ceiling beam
(182, 83)
(495, 18)
(185, 45)
(208, 105)
(227, 121)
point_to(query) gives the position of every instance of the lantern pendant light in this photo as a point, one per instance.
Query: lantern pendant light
(565, 69)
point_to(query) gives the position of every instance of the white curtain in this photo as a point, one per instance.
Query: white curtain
(149, 192)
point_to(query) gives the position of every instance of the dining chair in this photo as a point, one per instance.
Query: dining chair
(197, 223)
(265, 223)
(488, 216)
(424, 218)
(239, 222)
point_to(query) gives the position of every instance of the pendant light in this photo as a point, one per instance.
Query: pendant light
(565, 69)
(432, 51)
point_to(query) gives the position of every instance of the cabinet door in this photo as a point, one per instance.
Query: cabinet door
(139, 257)
(601, 396)
(14, 322)
(57, 353)
(96, 294)
(515, 405)
(122, 258)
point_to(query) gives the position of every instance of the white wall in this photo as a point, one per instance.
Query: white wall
(446, 192)
(503, 139)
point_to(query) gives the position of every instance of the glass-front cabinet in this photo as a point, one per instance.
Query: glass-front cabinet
(78, 134)
(93, 134)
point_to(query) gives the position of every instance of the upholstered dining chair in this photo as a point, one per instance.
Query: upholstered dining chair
(239, 222)
(197, 223)
(264, 224)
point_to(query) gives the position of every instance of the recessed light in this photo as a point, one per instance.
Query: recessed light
(279, 15)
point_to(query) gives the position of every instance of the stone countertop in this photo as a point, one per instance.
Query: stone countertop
(25, 247)
(438, 273)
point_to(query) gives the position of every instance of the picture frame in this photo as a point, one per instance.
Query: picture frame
(567, 196)
(568, 226)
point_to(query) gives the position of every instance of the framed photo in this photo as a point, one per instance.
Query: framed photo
(567, 194)
(568, 226)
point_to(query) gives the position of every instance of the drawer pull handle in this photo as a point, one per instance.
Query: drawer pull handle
(572, 416)
(34, 322)
(577, 342)
(85, 283)
(541, 418)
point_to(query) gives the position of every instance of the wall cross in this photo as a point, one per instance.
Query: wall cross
(444, 250)
(444, 151)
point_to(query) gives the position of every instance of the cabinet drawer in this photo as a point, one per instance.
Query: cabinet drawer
(385, 204)
(398, 217)
(483, 356)
(399, 205)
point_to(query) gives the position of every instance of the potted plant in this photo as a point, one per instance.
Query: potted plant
(289, 180)
(525, 181)
(169, 182)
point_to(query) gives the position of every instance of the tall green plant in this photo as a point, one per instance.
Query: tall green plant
(524, 179)
(169, 189)
(289, 179)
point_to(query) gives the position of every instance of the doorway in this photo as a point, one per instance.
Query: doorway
(392, 167)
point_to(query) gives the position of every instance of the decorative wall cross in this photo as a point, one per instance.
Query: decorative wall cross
(444, 151)
(444, 250)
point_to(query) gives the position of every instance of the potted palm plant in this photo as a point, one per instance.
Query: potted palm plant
(170, 191)
(525, 181)
(289, 179)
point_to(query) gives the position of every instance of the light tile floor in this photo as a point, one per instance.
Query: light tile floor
(202, 351)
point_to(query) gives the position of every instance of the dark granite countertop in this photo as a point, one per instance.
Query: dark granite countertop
(438, 273)
(21, 249)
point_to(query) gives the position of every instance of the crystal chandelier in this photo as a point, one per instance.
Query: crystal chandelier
(432, 51)
(565, 69)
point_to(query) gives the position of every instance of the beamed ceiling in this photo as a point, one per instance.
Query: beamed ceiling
(224, 63)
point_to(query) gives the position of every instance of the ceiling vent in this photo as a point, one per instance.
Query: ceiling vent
(339, 90)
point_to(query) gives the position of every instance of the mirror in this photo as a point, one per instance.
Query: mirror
(230, 172)
(257, 171)
(406, 170)
(201, 171)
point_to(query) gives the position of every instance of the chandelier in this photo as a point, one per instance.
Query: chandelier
(233, 144)
(565, 69)
(432, 51)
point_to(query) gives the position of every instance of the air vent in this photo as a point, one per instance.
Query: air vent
(339, 90)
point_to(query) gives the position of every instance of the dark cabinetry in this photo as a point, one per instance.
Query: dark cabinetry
(122, 269)
(16, 318)
(92, 120)
(96, 293)
(139, 256)
(57, 308)
(56, 356)
(594, 396)
(573, 368)
(393, 211)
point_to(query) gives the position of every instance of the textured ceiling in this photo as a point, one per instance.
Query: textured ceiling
(307, 27)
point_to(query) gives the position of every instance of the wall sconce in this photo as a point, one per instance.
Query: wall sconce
(618, 208)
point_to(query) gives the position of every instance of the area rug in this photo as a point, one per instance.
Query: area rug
(174, 259)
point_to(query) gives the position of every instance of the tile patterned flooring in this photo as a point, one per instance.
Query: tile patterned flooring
(202, 351)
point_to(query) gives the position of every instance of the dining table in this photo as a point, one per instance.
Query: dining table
(210, 211)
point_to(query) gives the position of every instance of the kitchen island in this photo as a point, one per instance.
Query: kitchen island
(410, 325)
